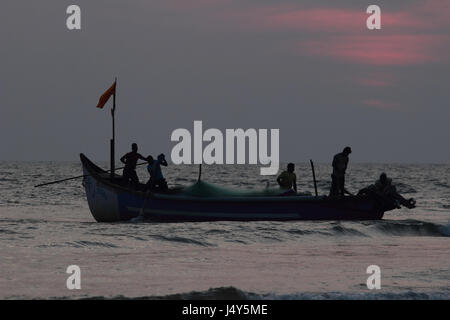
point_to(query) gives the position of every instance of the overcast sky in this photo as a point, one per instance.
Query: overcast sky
(310, 68)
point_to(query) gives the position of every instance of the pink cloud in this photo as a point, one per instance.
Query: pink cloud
(316, 19)
(337, 20)
(378, 49)
(412, 35)
(409, 36)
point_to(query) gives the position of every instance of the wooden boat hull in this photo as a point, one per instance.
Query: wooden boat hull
(109, 202)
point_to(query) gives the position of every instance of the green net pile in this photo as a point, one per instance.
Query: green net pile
(205, 189)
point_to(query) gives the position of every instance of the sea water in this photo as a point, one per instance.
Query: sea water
(45, 230)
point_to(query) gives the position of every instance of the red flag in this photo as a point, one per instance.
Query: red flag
(105, 97)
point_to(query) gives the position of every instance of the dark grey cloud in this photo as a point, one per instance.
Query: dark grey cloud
(178, 63)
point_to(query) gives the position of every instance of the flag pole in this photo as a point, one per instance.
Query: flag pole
(112, 147)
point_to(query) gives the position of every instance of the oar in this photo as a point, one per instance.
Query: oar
(77, 177)
(314, 176)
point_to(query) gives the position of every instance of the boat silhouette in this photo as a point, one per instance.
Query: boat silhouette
(110, 200)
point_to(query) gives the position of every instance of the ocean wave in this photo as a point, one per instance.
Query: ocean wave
(84, 243)
(404, 188)
(232, 293)
(442, 185)
(445, 230)
(182, 240)
(340, 230)
(5, 231)
(374, 229)
(412, 228)
(308, 232)
(79, 244)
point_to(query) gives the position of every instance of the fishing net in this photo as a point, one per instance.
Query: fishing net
(205, 189)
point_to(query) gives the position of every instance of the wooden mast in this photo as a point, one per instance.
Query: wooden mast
(112, 143)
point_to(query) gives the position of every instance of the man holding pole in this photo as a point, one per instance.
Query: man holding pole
(130, 160)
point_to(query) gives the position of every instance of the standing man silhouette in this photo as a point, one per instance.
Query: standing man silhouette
(340, 162)
(130, 160)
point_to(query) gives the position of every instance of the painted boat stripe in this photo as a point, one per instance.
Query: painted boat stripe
(217, 214)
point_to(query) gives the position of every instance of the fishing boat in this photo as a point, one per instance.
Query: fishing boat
(110, 200)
